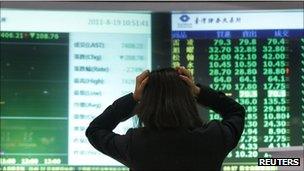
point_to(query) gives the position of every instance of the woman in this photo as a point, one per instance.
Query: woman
(171, 136)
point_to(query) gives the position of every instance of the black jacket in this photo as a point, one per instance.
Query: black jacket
(203, 148)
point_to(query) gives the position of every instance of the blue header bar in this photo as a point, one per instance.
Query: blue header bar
(236, 34)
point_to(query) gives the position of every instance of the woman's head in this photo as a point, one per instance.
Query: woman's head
(167, 102)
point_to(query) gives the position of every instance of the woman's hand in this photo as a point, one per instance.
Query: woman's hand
(187, 77)
(141, 81)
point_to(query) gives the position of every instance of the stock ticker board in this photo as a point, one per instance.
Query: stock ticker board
(56, 77)
(263, 70)
(54, 83)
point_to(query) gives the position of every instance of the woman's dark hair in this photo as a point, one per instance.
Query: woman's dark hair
(167, 102)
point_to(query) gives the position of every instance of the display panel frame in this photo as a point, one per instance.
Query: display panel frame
(161, 18)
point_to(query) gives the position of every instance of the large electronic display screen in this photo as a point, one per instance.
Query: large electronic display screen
(257, 58)
(59, 70)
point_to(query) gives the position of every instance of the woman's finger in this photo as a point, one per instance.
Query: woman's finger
(178, 69)
(184, 71)
(143, 83)
(188, 80)
(142, 76)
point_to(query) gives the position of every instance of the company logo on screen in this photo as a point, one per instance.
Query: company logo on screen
(184, 21)
(184, 18)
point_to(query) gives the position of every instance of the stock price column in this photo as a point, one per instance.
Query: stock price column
(245, 70)
(275, 91)
(220, 67)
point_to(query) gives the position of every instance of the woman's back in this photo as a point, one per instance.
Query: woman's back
(170, 144)
(176, 150)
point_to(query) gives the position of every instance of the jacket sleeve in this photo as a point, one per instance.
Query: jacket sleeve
(100, 131)
(233, 114)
